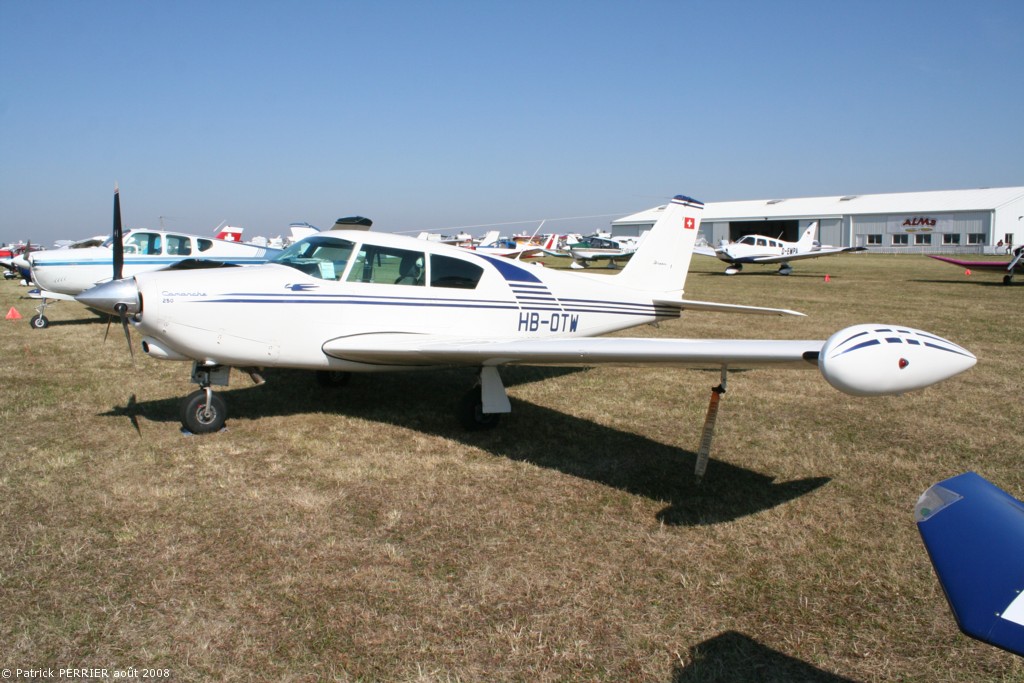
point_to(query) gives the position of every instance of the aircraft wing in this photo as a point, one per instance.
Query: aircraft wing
(803, 255)
(705, 251)
(974, 533)
(415, 349)
(1002, 266)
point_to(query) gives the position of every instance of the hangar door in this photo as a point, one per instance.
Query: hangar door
(786, 230)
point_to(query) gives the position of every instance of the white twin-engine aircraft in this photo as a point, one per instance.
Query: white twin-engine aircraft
(762, 250)
(347, 301)
(62, 274)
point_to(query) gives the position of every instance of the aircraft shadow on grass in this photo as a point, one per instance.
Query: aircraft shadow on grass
(975, 280)
(532, 433)
(736, 657)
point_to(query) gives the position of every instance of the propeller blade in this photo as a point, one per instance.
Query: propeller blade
(122, 311)
(106, 333)
(118, 236)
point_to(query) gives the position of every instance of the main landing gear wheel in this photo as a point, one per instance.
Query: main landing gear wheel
(1007, 279)
(472, 415)
(199, 418)
(39, 322)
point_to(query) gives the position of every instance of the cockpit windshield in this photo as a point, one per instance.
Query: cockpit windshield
(321, 257)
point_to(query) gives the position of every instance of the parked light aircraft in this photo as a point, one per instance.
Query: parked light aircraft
(1016, 264)
(61, 274)
(759, 249)
(974, 534)
(597, 248)
(519, 247)
(368, 302)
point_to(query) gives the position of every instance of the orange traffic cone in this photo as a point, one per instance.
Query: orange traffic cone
(13, 314)
(967, 272)
(827, 278)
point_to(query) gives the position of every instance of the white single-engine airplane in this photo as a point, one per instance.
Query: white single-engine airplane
(62, 274)
(346, 301)
(760, 250)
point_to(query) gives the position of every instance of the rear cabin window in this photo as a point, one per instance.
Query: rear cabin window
(204, 244)
(446, 271)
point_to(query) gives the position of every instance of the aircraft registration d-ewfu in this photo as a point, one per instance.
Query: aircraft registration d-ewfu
(356, 301)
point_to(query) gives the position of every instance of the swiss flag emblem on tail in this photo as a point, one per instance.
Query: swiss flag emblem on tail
(689, 223)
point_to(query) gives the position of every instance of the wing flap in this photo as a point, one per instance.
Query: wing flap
(423, 350)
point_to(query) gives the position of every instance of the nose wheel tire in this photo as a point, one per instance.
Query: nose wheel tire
(200, 418)
(39, 322)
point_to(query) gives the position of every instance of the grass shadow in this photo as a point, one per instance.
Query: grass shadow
(733, 656)
(535, 434)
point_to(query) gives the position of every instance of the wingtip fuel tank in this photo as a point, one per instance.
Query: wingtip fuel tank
(881, 360)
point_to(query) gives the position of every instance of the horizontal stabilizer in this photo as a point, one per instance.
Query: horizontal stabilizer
(974, 533)
(712, 307)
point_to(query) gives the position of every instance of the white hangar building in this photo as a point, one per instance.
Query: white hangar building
(951, 221)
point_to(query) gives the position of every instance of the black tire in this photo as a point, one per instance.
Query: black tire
(39, 322)
(472, 415)
(1007, 279)
(194, 417)
(329, 379)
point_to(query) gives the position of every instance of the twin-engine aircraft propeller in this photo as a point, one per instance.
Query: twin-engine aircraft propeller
(118, 246)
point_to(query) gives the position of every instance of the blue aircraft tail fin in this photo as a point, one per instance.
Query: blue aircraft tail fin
(974, 533)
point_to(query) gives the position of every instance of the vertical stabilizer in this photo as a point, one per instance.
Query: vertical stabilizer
(230, 234)
(807, 240)
(662, 260)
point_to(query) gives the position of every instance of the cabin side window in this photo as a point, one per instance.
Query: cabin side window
(446, 271)
(320, 257)
(144, 243)
(204, 244)
(384, 265)
(178, 245)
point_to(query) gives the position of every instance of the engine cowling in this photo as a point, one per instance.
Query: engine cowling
(881, 360)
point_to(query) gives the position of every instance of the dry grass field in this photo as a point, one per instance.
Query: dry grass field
(358, 534)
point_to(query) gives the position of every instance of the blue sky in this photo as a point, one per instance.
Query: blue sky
(438, 114)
